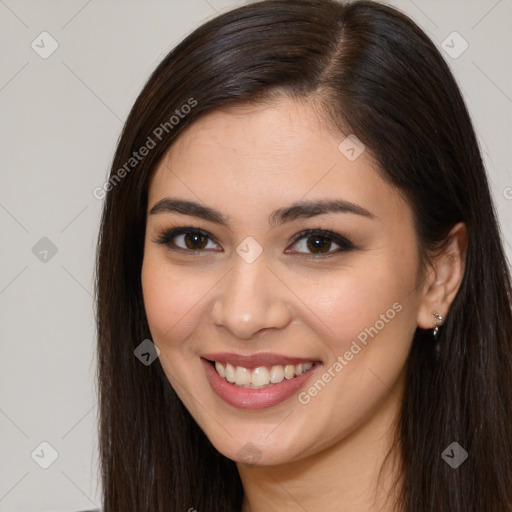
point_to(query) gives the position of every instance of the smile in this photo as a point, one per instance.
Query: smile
(262, 376)
(258, 381)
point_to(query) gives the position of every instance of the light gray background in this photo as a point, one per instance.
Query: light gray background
(61, 118)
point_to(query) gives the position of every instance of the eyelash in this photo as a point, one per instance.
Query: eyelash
(166, 237)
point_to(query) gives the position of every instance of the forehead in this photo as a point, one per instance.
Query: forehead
(264, 156)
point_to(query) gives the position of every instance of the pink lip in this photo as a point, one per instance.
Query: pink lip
(245, 398)
(255, 360)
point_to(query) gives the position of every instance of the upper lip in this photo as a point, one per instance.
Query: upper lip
(255, 360)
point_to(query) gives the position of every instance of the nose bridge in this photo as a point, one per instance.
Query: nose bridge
(250, 299)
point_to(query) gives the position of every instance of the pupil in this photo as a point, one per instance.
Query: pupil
(193, 240)
(321, 244)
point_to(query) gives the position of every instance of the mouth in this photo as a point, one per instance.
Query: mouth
(258, 381)
(261, 377)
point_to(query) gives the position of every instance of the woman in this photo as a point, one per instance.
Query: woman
(298, 224)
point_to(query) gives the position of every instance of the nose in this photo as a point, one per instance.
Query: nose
(250, 299)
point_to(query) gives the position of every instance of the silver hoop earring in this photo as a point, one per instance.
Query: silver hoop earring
(438, 321)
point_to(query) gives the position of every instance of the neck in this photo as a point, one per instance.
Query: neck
(342, 478)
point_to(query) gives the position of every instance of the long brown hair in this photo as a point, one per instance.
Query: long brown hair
(378, 76)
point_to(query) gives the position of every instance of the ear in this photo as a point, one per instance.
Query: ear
(444, 277)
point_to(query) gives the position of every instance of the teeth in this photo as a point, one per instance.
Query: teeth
(220, 369)
(230, 373)
(306, 367)
(276, 374)
(261, 376)
(242, 376)
(289, 371)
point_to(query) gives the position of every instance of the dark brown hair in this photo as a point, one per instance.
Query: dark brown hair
(377, 75)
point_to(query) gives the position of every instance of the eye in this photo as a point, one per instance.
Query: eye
(313, 243)
(319, 242)
(186, 239)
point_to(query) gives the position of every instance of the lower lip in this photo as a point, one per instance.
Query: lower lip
(246, 398)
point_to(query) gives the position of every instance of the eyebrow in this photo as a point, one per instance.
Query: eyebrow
(299, 209)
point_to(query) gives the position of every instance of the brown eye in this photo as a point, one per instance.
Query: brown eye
(319, 244)
(187, 239)
(195, 241)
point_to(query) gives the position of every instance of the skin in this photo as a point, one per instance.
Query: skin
(247, 162)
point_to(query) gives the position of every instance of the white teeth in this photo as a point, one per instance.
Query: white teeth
(230, 373)
(261, 376)
(289, 371)
(220, 369)
(242, 376)
(276, 374)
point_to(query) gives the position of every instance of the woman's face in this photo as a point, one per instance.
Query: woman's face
(240, 285)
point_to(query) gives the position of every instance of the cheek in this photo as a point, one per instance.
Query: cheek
(363, 303)
(171, 301)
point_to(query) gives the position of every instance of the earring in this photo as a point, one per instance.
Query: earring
(438, 320)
